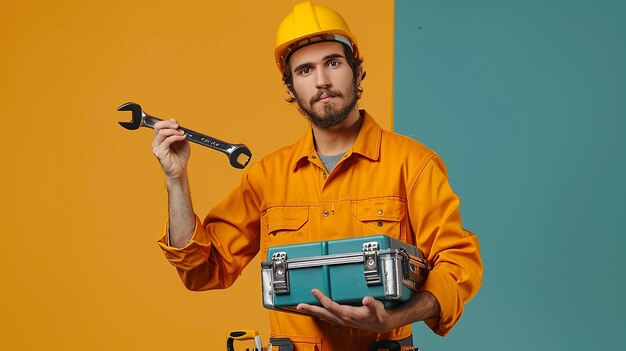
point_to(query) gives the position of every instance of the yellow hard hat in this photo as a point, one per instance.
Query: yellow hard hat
(309, 23)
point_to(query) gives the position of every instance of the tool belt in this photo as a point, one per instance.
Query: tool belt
(284, 344)
(406, 344)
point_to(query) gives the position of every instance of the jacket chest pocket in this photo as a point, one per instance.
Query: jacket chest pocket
(284, 225)
(381, 215)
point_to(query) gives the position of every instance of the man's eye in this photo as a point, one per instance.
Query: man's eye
(333, 63)
(305, 70)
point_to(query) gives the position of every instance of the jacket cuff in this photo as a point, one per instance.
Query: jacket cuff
(193, 254)
(445, 290)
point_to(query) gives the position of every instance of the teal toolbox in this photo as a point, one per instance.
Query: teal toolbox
(345, 270)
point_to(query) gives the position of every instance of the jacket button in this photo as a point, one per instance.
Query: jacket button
(380, 212)
(325, 213)
(380, 223)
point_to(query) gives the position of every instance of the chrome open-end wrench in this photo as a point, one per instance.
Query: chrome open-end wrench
(238, 154)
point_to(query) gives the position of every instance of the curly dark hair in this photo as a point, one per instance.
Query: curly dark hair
(354, 63)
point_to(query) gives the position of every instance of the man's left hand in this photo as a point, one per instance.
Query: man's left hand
(371, 316)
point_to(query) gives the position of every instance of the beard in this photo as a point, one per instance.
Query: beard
(330, 115)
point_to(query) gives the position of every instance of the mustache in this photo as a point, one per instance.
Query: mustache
(328, 92)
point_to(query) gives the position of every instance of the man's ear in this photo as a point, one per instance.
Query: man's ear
(359, 75)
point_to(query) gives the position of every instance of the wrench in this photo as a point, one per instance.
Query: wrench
(233, 151)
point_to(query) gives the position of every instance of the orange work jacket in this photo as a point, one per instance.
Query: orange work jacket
(385, 184)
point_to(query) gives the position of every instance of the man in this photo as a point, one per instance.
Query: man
(345, 178)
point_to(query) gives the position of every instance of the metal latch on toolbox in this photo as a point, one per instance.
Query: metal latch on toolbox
(370, 263)
(280, 273)
(415, 270)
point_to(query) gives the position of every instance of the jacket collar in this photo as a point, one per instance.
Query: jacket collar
(367, 143)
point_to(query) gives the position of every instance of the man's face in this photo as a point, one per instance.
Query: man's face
(323, 83)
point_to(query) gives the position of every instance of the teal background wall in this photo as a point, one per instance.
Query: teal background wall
(526, 103)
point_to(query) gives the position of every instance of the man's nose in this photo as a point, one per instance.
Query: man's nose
(322, 80)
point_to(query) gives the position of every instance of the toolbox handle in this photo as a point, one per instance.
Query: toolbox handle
(327, 260)
(333, 259)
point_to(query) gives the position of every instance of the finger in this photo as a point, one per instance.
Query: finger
(170, 140)
(371, 303)
(316, 311)
(167, 123)
(162, 134)
(325, 300)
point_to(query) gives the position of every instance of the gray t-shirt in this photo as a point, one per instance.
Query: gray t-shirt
(330, 161)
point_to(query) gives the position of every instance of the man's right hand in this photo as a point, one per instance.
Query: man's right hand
(171, 149)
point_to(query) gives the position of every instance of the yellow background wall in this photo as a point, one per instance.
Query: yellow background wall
(82, 200)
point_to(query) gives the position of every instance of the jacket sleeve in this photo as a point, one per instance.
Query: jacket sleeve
(224, 243)
(452, 251)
